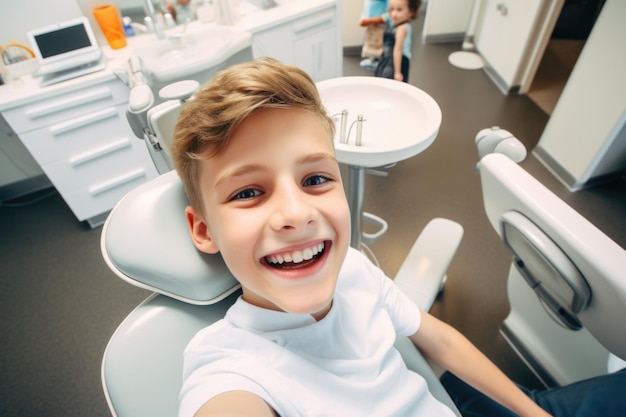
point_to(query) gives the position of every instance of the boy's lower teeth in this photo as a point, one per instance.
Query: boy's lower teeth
(291, 265)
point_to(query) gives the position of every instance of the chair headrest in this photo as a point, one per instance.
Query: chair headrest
(146, 242)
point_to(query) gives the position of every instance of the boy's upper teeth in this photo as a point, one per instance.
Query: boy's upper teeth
(296, 256)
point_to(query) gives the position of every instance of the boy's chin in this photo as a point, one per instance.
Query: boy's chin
(316, 303)
(318, 311)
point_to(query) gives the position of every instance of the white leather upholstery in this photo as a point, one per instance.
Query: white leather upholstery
(146, 242)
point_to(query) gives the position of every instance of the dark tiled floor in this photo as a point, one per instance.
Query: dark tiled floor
(59, 303)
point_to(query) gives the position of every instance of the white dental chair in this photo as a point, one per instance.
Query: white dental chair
(567, 281)
(145, 241)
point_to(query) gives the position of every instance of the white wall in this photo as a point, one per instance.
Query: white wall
(20, 16)
(585, 134)
(352, 32)
(446, 20)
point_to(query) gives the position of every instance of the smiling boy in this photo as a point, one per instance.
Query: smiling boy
(278, 214)
(313, 332)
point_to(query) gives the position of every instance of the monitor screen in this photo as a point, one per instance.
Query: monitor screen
(64, 40)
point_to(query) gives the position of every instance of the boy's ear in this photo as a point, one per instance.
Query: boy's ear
(199, 231)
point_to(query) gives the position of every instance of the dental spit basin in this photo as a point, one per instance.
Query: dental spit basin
(192, 54)
(399, 120)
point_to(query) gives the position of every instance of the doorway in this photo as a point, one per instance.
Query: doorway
(570, 33)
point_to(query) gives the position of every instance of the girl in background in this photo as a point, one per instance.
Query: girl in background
(395, 60)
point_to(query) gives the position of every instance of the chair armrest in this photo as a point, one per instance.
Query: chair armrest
(416, 362)
(422, 274)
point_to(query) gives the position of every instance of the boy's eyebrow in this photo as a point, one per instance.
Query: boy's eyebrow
(248, 168)
(239, 171)
(316, 157)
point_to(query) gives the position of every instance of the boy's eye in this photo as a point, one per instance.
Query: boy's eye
(315, 180)
(246, 194)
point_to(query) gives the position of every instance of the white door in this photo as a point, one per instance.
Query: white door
(511, 36)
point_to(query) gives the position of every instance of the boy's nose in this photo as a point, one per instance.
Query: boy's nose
(292, 209)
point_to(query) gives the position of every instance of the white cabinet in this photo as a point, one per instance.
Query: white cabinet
(311, 42)
(83, 143)
(316, 45)
(276, 42)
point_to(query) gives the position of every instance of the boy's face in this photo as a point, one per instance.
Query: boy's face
(277, 211)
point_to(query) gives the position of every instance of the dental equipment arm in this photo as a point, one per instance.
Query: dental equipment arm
(141, 97)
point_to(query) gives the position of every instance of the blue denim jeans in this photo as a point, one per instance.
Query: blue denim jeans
(603, 396)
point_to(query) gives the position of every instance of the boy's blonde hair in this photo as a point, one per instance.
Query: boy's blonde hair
(208, 121)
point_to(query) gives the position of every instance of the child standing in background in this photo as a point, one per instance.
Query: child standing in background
(373, 44)
(396, 57)
(181, 10)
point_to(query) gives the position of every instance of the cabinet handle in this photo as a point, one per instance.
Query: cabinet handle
(66, 103)
(99, 152)
(116, 182)
(312, 24)
(320, 58)
(316, 64)
(79, 122)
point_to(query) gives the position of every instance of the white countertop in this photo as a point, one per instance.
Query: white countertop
(26, 89)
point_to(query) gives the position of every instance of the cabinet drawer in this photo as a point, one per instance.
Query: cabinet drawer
(68, 105)
(275, 42)
(86, 205)
(80, 136)
(93, 185)
(313, 24)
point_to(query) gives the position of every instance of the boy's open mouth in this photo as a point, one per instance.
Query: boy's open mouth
(296, 259)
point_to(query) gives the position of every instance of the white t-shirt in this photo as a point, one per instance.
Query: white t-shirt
(343, 365)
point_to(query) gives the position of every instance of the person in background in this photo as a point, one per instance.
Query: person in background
(373, 43)
(396, 57)
(181, 10)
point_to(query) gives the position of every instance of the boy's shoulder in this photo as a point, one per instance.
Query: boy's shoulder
(208, 332)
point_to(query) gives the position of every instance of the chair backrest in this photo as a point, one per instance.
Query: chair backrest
(569, 262)
(160, 122)
(142, 364)
(143, 361)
